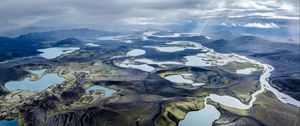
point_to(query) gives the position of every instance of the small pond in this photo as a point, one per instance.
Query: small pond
(136, 52)
(108, 91)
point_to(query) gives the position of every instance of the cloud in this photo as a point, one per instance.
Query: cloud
(261, 25)
(224, 24)
(102, 14)
(250, 5)
(234, 25)
(140, 21)
(266, 15)
(253, 25)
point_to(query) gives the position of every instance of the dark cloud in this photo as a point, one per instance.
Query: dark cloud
(126, 13)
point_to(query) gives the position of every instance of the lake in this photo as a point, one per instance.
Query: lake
(9, 122)
(51, 53)
(38, 85)
(203, 117)
(136, 52)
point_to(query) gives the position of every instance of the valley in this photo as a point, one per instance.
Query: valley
(161, 79)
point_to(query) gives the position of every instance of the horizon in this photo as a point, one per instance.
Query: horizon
(149, 63)
(276, 19)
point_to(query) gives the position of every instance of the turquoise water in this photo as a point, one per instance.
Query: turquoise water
(9, 122)
(108, 91)
(203, 117)
(50, 53)
(38, 85)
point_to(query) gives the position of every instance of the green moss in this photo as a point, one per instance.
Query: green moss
(86, 99)
(86, 85)
(178, 109)
(241, 112)
(167, 73)
(20, 123)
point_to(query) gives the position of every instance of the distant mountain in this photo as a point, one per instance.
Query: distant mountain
(249, 45)
(14, 47)
(227, 35)
(201, 39)
(21, 31)
(69, 33)
(26, 45)
(67, 42)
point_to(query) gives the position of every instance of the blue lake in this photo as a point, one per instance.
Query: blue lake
(9, 122)
(38, 85)
(51, 53)
(203, 117)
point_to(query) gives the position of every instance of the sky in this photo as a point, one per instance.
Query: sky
(134, 14)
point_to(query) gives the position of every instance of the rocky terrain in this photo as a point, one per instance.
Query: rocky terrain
(141, 98)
